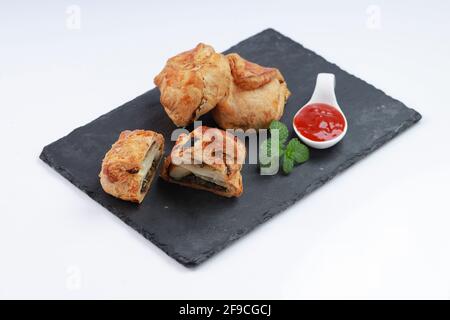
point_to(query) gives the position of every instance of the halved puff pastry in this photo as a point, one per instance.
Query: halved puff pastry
(129, 167)
(257, 96)
(192, 83)
(207, 159)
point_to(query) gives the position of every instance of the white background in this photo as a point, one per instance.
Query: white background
(379, 230)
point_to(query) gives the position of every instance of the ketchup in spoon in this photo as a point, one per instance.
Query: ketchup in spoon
(319, 122)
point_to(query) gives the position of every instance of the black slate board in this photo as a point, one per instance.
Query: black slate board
(191, 226)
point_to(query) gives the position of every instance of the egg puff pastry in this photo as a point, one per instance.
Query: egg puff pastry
(192, 83)
(257, 96)
(207, 159)
(129, 167)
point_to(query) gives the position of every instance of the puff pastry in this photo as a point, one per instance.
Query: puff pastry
(207, 159)
(257, 96)
(129, 167)
(192, 83)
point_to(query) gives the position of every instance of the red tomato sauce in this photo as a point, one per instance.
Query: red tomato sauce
(319, 122)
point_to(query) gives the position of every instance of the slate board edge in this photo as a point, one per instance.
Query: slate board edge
(46, 157)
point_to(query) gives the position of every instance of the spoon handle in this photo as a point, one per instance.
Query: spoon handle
(324, 90)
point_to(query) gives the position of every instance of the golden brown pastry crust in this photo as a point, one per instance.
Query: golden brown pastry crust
(205, 150)
(119, 174)
(257, 96)
(192, 83)
(248, 75)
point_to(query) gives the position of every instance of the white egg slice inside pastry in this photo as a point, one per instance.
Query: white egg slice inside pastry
(207, 174)
(148, 167)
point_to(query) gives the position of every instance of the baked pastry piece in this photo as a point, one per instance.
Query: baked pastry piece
(257, 96)
(207, 159)
(129, 167)
(192, 83)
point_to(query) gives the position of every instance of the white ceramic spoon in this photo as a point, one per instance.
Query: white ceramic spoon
(323, 93)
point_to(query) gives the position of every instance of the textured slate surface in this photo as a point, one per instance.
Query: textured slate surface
(191, 226)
